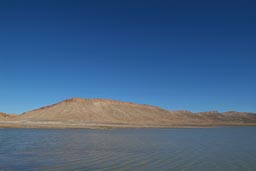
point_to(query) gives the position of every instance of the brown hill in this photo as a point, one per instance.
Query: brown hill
(3, 115)
(99, 111)
(6, 116)
(78, 111)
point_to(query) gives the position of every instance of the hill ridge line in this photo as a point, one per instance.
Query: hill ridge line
(82, 100)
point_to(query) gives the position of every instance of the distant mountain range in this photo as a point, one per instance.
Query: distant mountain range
(101, 113)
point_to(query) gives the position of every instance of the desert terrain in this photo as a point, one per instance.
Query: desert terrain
(105, 113)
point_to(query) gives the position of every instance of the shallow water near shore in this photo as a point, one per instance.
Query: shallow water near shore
(197, 149)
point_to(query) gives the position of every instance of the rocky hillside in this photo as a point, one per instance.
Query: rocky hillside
(103, 111)
(99, 111)
(4, 115)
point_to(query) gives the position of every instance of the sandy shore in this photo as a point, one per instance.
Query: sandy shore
(52, 124)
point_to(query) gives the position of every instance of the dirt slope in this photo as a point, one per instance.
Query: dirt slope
(103, 111)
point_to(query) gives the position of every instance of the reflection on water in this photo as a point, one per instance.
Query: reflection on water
(211, 149)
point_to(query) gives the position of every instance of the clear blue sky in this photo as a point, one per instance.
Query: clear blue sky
(194, 55)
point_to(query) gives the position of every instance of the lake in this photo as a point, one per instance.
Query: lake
(196, 149)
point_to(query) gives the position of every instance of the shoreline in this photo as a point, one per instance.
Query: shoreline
(61, 125)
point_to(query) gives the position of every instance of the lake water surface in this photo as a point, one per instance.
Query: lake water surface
(197, 149)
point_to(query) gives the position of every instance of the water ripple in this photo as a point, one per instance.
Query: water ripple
(128, 149)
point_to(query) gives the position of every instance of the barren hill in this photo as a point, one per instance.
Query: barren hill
(78, 112)
(3, 115)
(98, 111)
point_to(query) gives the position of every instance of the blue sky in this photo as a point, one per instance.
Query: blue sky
(196, 55)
